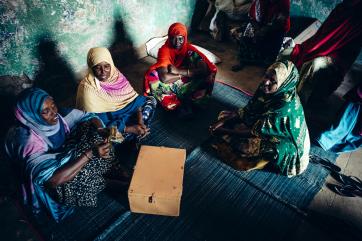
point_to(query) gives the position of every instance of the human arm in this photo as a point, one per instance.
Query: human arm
(199, 69)
(70, 169)
(224, 116)
(167, 77)
(242, 131)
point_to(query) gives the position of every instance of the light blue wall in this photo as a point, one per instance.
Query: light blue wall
(74, 26)
(77, 25)
(319, 9)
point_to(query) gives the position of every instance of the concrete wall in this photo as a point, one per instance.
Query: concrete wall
(313, 8)
(74, 26)
(32, 31)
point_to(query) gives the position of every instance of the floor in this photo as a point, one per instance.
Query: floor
(346, 213)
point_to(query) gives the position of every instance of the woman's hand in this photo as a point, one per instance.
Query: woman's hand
(104, 132)
(223, 117)
(70, 169)
(227, 115)
(103, 150)
(140, 130)
(172, 69)
(216, 126)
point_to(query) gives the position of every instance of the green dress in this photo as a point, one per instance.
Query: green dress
(277, 120)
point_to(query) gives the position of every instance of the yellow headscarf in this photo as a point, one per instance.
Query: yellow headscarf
(92, 97)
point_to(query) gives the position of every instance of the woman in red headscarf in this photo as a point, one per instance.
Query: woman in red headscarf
(182, 74)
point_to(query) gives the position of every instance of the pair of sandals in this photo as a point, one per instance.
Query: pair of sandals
(349, 186)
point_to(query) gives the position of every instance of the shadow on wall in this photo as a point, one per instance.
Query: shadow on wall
(10, 87)
(298, 24)
(198, 22)
(55, 75)
(122, 49)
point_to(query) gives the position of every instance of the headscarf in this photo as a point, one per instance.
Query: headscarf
(265, 104)
(28, 146)
(278, 119)
(28, 112)
(266, 11)
(31, 150)
(167, 54)
(339, 37)
(104, 96)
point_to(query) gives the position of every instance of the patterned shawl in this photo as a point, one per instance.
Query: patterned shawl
(108, 96)
(278, 119)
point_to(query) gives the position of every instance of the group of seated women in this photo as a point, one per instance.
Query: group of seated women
(66, 157)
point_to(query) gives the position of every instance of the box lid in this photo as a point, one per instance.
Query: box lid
(158, 172)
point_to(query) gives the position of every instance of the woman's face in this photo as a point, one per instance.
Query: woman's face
(269, 83)
(49, 111)
(102, 71)
(177, 41)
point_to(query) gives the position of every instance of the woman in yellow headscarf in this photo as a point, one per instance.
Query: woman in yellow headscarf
(107, 92)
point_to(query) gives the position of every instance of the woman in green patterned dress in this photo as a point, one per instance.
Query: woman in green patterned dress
(270, 130)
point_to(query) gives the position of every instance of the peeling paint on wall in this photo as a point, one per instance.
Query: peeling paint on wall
(75, 26)
(319, 9)
(145, 19)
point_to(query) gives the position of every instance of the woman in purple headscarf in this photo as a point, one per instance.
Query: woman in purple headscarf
(61, 156)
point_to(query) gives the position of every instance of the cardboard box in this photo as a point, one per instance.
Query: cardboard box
(156, 185)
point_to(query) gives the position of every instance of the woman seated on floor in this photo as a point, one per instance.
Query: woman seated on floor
(325, 58)
(106, 92)
(182, 74)
(346, 133)
(270, 130)
(61, 157)
(261, 38)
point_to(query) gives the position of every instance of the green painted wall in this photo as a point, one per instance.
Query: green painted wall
(313, 8)
(74, 26)
(71, 27)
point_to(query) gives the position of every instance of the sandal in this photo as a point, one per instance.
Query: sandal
(346, 190)
(347, 180)
(325, 163)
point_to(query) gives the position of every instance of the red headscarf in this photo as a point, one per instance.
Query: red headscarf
(167, 54)
(339, 37)
(265, 11)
